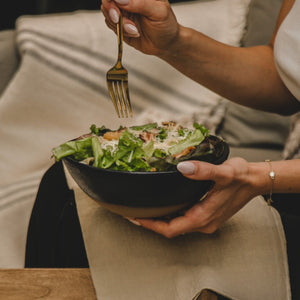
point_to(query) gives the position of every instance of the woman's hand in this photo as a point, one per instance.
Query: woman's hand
(232, 190)
(149, 25)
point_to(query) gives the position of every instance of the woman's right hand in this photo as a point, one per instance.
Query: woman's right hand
(150, 26)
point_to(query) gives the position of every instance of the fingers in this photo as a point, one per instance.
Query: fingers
(112, 13)
(178, 226)
(202, 170)
(130, 29)
(229, 195)
(175, 227)
(198, 218)
(110, 9)
(223, 174)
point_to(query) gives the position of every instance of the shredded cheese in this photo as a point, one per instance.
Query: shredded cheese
(171, 139)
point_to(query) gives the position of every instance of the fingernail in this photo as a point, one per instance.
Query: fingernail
(113, 14)
(186, 168)
(123, 2)
(133, 221)
(131, 29)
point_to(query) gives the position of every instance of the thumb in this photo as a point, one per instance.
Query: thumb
(199, 170)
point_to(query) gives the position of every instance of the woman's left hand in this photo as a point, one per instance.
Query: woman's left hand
(231, 191)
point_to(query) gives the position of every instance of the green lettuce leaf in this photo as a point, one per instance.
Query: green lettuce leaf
(79, 149)
(97, 152)
(144, 127)
(133, 154)
(195, 138)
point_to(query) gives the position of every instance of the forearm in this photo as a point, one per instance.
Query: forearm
(247, 76)
(287, 177)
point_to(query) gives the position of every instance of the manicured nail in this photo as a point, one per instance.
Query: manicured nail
(186, 168)
(131, 29)
(113, 14)
(123, 2)
(133, 221)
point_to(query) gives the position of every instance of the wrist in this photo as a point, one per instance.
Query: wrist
(259, 178)
(177, 46)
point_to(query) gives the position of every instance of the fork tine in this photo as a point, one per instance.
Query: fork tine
(122, 100)
(112, 96)
(117, 79)
(125, 86)
(119, 97)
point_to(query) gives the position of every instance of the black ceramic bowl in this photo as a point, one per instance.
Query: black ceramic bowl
(142, 194)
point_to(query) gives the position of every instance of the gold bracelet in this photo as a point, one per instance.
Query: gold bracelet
(272, 177)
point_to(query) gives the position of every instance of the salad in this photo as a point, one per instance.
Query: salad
(149, 147)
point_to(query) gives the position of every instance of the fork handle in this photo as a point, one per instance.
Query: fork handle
(120, 41)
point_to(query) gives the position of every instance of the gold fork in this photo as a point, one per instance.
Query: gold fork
(117, 79)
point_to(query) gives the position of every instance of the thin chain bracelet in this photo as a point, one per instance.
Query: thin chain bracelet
(272, 177)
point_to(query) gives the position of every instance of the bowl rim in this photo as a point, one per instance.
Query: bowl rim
(219, 160)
